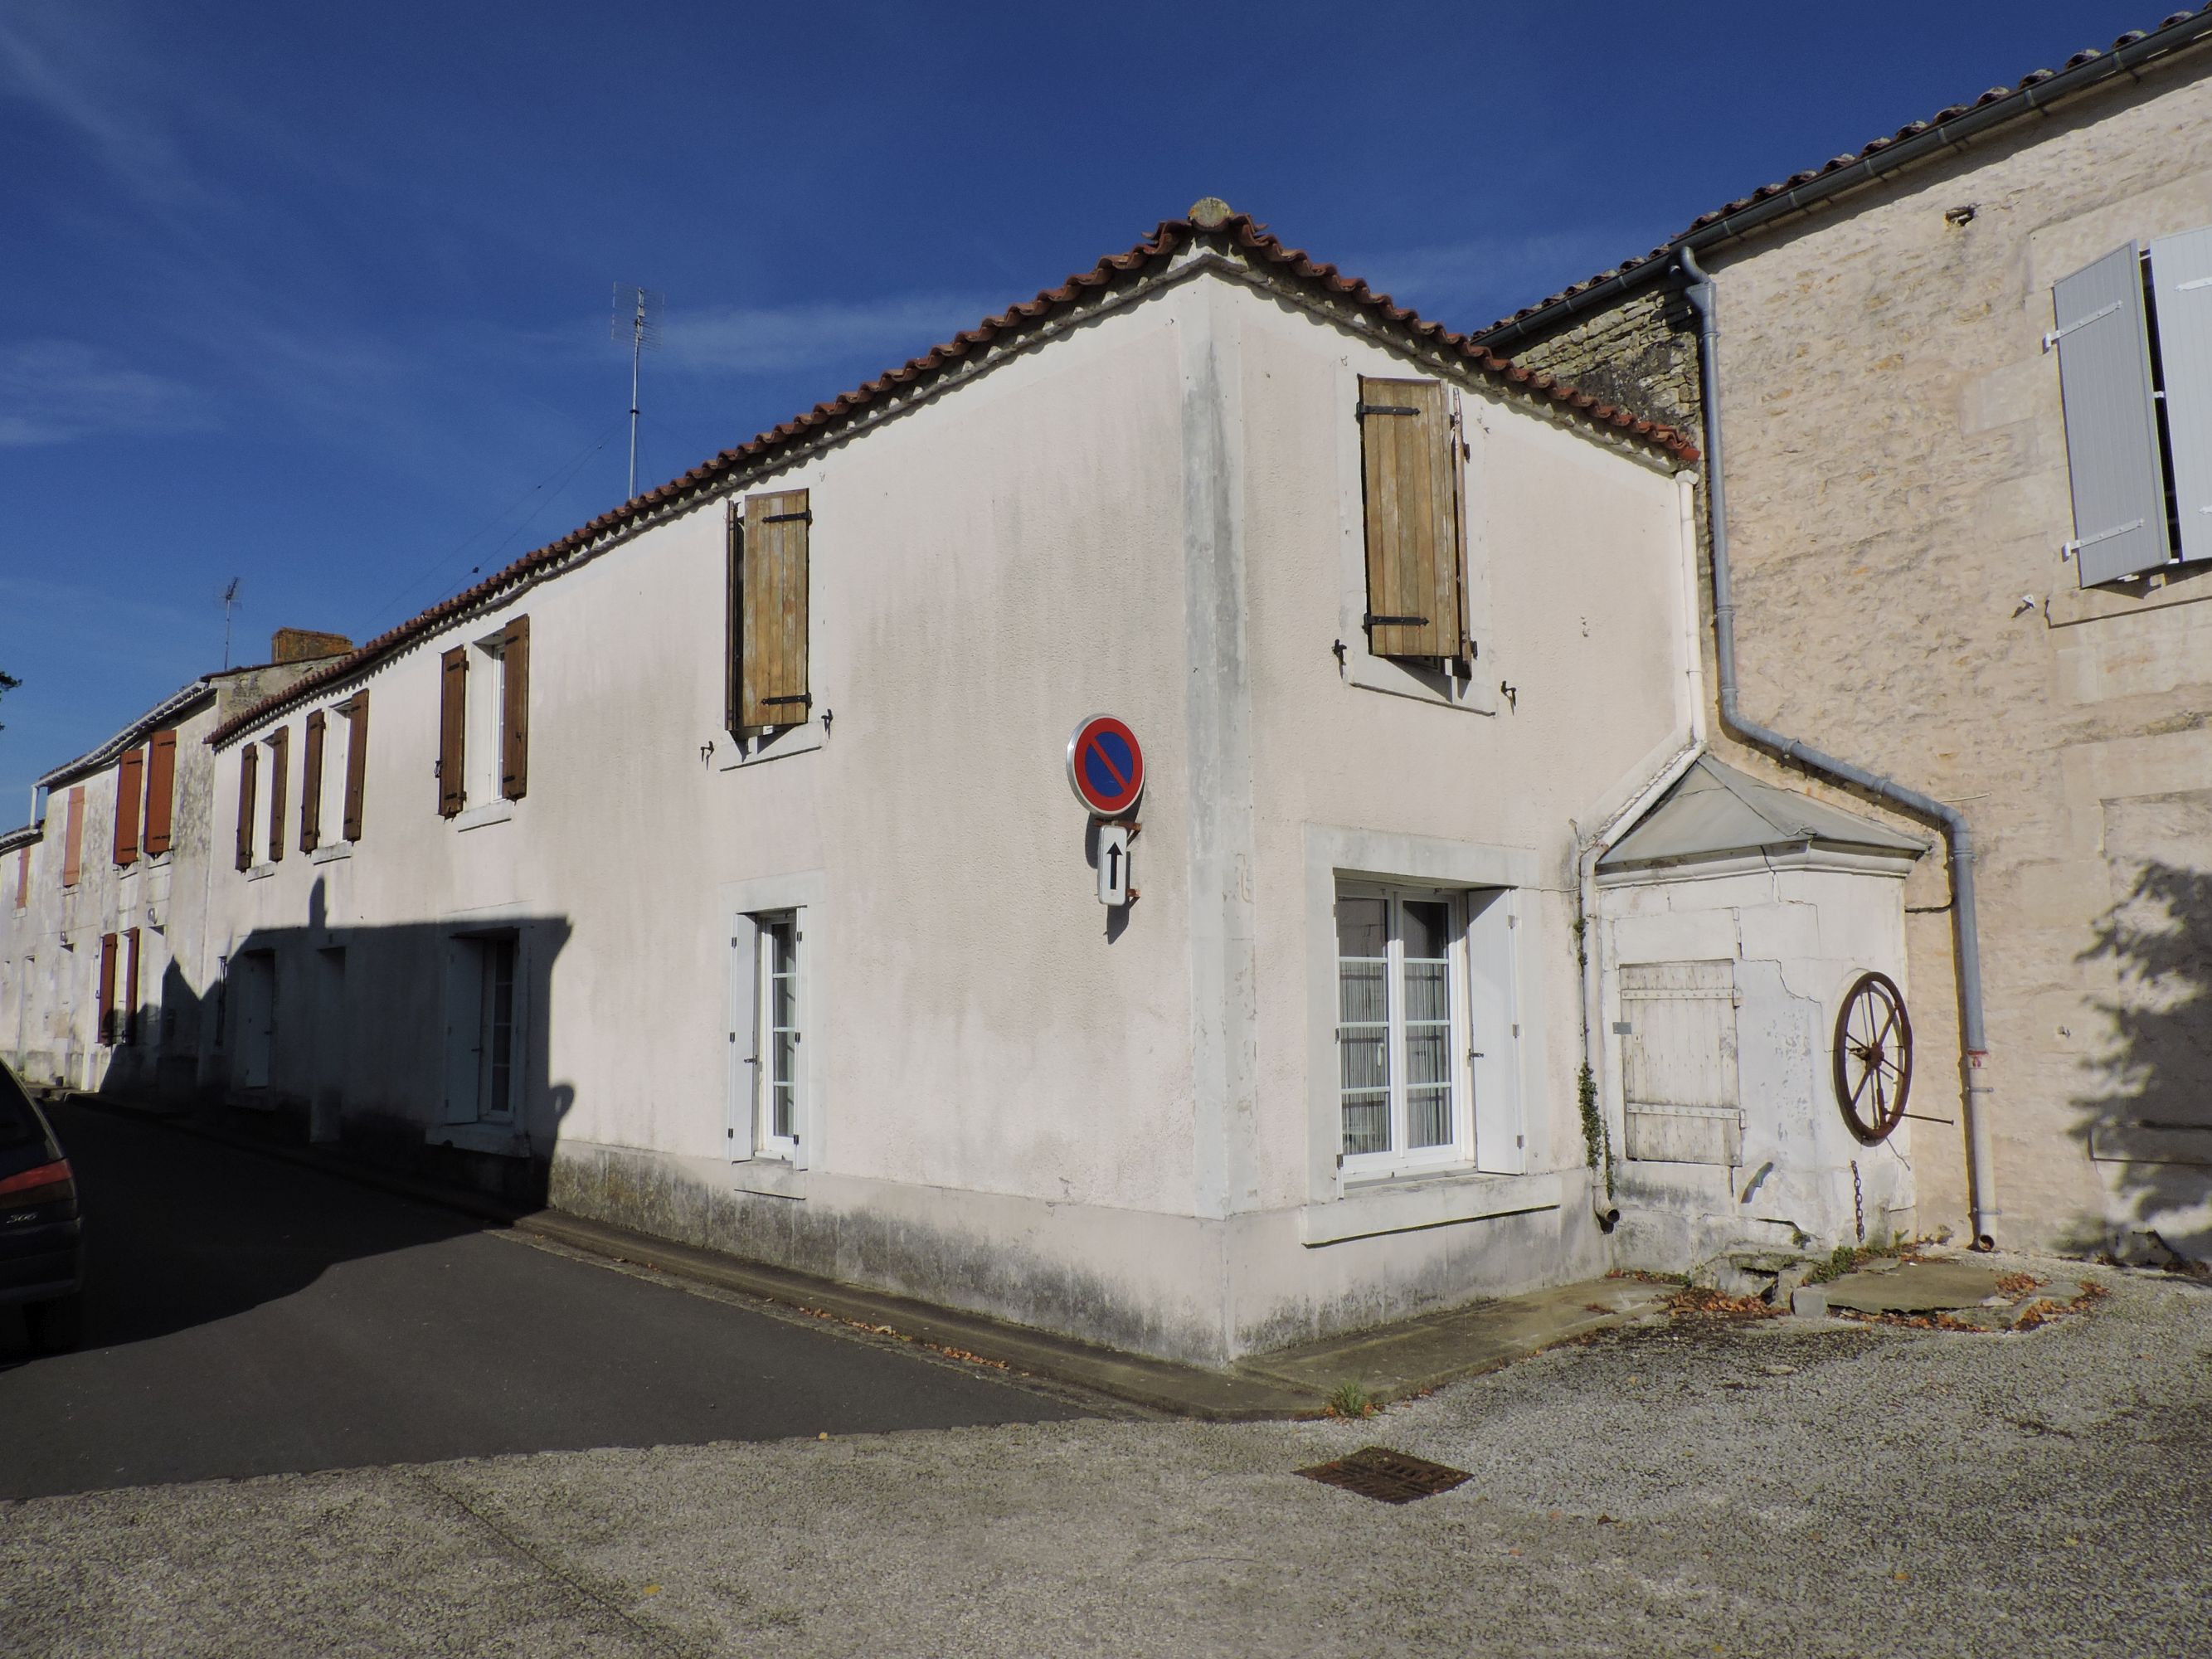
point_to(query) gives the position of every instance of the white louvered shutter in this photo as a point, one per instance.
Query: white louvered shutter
(2112, 429)
(2181, 286)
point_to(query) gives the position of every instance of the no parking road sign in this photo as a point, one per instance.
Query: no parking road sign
(1105, 766)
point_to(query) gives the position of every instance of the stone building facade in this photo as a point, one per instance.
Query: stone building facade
(1896, 456)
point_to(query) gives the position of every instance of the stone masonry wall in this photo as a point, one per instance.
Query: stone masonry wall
(1899, 494)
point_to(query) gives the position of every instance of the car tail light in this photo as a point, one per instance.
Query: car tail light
(50, 1183)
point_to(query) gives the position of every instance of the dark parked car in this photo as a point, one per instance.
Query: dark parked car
(41, 1238)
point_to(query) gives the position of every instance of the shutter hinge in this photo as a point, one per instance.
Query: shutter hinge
(804, 517)
(2058, 334)
(2067, 549)
(2194, 282)
(1372, 621)
(802, 697)
(1361, 411)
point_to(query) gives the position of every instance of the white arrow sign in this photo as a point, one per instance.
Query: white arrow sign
(1114, 864)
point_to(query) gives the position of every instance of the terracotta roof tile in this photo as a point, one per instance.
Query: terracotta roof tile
(1873, 147)
(1290, 265)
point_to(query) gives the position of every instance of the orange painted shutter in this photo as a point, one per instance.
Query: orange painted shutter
(1410, 466)
(772, 579)
(249, 766)
(280, 772)
(128, 1017)
(310, 784)
(161, 790)
(452, 721)
(130, 779)
(73, 849)
(515, 709)
(356, 714)
(107, 987)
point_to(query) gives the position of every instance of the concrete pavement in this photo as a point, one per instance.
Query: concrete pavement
(1774, 1487)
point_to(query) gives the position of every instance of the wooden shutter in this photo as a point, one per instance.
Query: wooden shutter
(130, 776)
(310, 784)
(107, 987)
(73, 848)
(249, 766)
(127, 1016)
(2111, 421)
(515, 709)
(24, 879)
(280, 769)
(734, 621)
(773, 581)
(1416, 559)
(356, 713)
(161, 790)
(452, 725)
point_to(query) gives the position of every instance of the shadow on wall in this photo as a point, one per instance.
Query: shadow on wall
(423, 1047)
(2148, 1126)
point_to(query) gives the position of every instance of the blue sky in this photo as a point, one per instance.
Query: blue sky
(316, 297)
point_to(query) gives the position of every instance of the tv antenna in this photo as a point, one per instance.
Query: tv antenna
(637, 320)
(229, 603)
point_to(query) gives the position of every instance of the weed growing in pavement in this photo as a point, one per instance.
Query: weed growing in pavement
(1351, 1401)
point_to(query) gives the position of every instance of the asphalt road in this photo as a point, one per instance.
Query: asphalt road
(1788, 1489)
(249, 1317)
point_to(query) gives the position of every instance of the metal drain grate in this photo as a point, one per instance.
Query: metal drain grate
(1391, 1477)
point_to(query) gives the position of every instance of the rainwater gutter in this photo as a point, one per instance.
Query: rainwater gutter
(1966, 929)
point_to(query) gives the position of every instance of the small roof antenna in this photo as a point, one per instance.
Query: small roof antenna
(229, 604)
(636, 322)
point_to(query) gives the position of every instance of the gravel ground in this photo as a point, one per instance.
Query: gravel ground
(1774, 1487)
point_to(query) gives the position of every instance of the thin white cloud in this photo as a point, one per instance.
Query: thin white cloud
(78, 78)
(55, 392)
(777, 339)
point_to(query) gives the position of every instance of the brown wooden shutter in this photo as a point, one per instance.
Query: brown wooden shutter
(310, 784)
(733, 620)
(161, 790)
(452, 725)
(73, 848)
(773, 663)
(130, 779)
(356, 714)
(249, 768)
(107, 987)
(127, 1017)
(515, 709)
(1415, 600)
(280, 774)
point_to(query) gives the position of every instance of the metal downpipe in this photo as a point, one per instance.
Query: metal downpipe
(1964, 926)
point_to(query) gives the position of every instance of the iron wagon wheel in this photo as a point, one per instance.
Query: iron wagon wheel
(1874, 1058)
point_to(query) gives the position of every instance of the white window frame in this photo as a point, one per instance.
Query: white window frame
(337, 759)
(1456, 1150)
(763, 1162)
(483, 707)
(468, 989)
(768, 1142)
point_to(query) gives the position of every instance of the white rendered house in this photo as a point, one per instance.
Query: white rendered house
(716, 868)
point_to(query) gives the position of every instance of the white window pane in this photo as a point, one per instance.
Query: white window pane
(1367, 1125)
(1362, 927)
(1427, 925)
